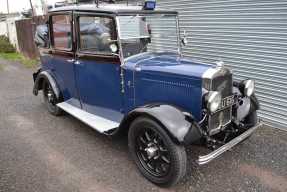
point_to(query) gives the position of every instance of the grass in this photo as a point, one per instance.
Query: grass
(29, 63)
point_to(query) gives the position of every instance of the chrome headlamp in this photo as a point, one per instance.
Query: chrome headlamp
(213, 101)
(249, 87)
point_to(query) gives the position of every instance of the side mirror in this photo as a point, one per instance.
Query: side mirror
(184, 39)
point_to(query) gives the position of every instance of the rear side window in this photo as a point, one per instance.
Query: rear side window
(62, 32)
(96, 34)
(42, 36)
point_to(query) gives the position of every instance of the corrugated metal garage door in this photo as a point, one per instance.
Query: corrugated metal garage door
(248, 35)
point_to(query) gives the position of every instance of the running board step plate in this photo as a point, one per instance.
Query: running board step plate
(96, 122)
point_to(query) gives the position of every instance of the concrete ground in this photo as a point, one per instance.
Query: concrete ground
(43, 153)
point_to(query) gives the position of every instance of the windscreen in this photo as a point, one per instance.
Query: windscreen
(148, 33)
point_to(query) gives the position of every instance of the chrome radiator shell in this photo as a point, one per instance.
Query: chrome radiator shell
(218, 79)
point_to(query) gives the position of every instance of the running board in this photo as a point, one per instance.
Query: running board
(98, 123)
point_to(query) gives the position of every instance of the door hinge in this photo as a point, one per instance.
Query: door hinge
(122, 81)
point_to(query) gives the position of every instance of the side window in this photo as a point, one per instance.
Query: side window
(42, 36)
(96, 34)
(62, 32)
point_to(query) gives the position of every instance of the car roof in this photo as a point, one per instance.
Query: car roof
(118, 9)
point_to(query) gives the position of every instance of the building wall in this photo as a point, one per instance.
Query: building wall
(12, 30)
(3, 28)
(250, 36)
(25, 35)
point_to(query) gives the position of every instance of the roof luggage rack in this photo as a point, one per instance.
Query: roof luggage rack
(127, 2)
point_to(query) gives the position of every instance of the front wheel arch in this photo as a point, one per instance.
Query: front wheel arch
(179, 125)
(127, 122)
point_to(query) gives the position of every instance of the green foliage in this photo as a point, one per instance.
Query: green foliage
(11, 56)
(5, 45)
(29, 63)
(8, 52)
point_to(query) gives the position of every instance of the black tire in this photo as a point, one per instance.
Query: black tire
(51, 101)
(157, 169)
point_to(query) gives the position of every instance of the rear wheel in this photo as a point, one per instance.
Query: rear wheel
(158, 158)
(50, 99)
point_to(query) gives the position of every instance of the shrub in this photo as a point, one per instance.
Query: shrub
(5, 45)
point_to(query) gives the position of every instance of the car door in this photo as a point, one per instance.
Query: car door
(64, 55)
(97, 68)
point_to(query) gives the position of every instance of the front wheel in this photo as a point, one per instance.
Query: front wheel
(158, 158)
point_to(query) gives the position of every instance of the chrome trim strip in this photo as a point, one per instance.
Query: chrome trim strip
(136, 55)
(216, 153)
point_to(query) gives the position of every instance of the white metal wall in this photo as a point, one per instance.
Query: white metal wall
(3, 28)
(250, 36)
(12, 32)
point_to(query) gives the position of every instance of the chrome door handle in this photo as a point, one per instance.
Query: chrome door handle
(71, 60)
(77, 62)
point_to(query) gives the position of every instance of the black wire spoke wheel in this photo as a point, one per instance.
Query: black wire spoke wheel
(152, 152)
(49, 94)
(50, 99)
(158, 158)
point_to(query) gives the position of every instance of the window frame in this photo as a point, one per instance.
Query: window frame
(80, 51)
(47, 23)
(52, 39)
(49, 34)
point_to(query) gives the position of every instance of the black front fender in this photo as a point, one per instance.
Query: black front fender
(247, 104)
(179, 125)
(39, 77)
(254, 103)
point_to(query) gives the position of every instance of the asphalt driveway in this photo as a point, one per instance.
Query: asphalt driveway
(39, 152)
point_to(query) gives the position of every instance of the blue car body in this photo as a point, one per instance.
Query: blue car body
(165, 86)
(163, 78)
(166, 78)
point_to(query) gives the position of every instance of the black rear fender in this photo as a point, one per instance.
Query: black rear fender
(42, 76)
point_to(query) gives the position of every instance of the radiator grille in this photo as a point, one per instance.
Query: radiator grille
(219, 119)
(221, 82)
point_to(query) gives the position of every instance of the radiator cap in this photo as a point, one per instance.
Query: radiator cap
(219, 64)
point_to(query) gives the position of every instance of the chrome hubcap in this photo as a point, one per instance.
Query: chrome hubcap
(50, 96)
(151, 151)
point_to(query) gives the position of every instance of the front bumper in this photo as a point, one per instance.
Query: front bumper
(216, 153)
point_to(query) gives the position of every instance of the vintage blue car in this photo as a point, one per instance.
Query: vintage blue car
(108, 67)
